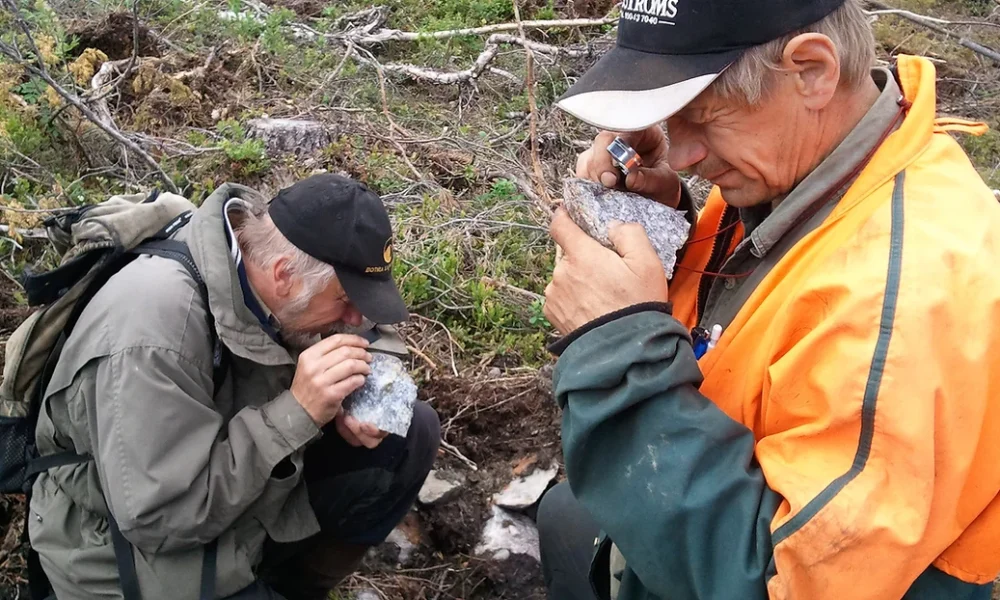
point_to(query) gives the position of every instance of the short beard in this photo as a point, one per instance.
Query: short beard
(288, 316)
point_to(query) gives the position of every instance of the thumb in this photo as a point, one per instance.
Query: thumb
(566, 233)
(631, 242)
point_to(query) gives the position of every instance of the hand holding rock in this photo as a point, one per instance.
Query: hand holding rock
(328, 372)
(591, 280)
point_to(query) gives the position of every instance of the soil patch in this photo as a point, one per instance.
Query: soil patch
(303, 8)
(113, 36)
(12, 555)
(507, 426)
(12, 558)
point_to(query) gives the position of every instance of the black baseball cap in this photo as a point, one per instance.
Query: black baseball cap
(669, 51)
(341, 222)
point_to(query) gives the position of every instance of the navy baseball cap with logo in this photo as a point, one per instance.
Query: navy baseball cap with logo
(669, 51)
(341, 222)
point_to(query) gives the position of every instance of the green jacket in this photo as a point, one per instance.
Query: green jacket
(674, 480)
(176, 466)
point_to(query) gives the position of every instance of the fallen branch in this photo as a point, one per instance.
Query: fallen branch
(395, 35)
(925, 19)
(35, 234)
(482, 62)
(932, 24)
(443, 77)
(333, 74)
(353, 38)
(370, 19)
(430, 362)
(97, 83)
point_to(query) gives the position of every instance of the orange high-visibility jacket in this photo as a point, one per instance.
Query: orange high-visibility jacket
(860, 383)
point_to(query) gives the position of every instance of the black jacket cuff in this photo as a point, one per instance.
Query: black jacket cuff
(560, 345)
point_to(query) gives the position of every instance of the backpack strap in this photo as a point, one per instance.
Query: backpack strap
(178, 251)
(160, 245)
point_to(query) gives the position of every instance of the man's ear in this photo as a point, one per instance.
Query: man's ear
(812, 59)
(282, 275)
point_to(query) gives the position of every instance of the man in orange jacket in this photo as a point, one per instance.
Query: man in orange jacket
(840, 439)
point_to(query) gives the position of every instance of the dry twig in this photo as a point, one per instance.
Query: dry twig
(387, 35)
(34, 234)
(457, 454)
(529, 84)
(934, 25)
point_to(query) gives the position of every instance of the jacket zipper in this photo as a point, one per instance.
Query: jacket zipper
(717, 258)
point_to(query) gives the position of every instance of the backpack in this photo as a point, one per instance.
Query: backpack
(94, 242)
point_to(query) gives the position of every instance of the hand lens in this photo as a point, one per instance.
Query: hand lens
(624, 156)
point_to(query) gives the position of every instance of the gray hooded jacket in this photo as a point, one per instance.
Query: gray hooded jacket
(177, 467)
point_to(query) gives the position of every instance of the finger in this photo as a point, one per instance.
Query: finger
(372, 431)
(568, 234)
(345, 431)
(362, 431)
(345, 370)
(329, 344)
(343, 388)
(339, 355)
(630, 241)
(602, 168)
(583, 163)
(659, 183)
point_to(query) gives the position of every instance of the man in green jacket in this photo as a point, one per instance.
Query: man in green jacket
(265, 470)
(808, 408)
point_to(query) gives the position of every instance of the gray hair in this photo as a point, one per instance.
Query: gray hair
(262, 243)
(747, 81)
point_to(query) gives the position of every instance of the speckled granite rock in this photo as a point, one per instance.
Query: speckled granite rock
(593, 206)
(387, 397)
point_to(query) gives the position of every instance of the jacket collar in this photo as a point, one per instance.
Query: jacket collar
(238, 327)
(917, 81)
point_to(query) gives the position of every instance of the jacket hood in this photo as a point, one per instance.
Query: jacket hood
(237, 326)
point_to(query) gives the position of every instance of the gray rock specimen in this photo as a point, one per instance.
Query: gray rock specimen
(440, 487)
(593, 206)
(386, 399)
(508, 533)
(524, 492)
(367, 594)
(296, 136)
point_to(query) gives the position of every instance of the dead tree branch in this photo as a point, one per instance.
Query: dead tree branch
(395, 35)
(482, 62)
(34, 234)
(358, 37)
(362, 36)
(912, 16)
(935, 25)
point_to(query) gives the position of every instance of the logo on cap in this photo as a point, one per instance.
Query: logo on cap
(387, 251)
(650, 12)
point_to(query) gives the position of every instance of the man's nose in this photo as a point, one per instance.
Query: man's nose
(686, 148)
(352, 316)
